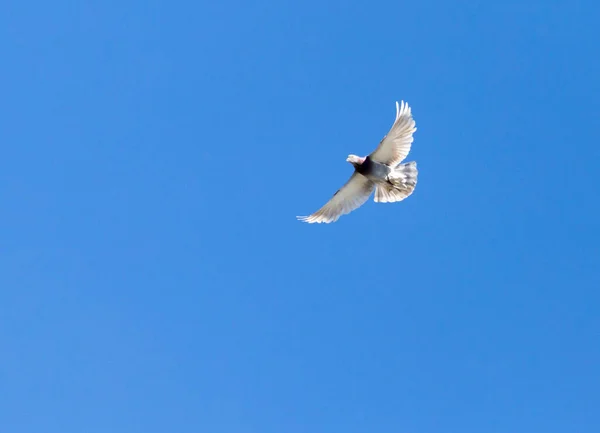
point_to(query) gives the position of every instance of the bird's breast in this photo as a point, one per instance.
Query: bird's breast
(373, 170)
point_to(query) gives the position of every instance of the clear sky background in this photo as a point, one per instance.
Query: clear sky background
(153, 277)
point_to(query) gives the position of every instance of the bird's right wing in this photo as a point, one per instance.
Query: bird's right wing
(349, 197)
(396, 144)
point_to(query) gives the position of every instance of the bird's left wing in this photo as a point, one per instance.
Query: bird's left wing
(349, 197)
(396, 144)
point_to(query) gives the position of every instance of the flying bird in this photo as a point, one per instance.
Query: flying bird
(380, 171)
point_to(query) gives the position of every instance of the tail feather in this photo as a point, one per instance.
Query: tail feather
(403, 180)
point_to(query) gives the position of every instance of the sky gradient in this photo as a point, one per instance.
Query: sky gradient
(153, 277)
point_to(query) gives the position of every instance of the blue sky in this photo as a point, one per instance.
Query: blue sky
(153, 277)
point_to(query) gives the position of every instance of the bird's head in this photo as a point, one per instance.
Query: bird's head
(355, 160)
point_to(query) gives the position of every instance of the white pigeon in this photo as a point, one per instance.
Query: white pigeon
(380, 171)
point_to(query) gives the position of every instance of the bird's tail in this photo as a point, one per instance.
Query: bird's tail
(402, 183)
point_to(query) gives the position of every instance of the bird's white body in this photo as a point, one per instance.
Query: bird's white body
(380, 171)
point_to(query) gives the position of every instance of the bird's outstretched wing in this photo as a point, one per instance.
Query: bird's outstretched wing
(349, 197)
(396, 144)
